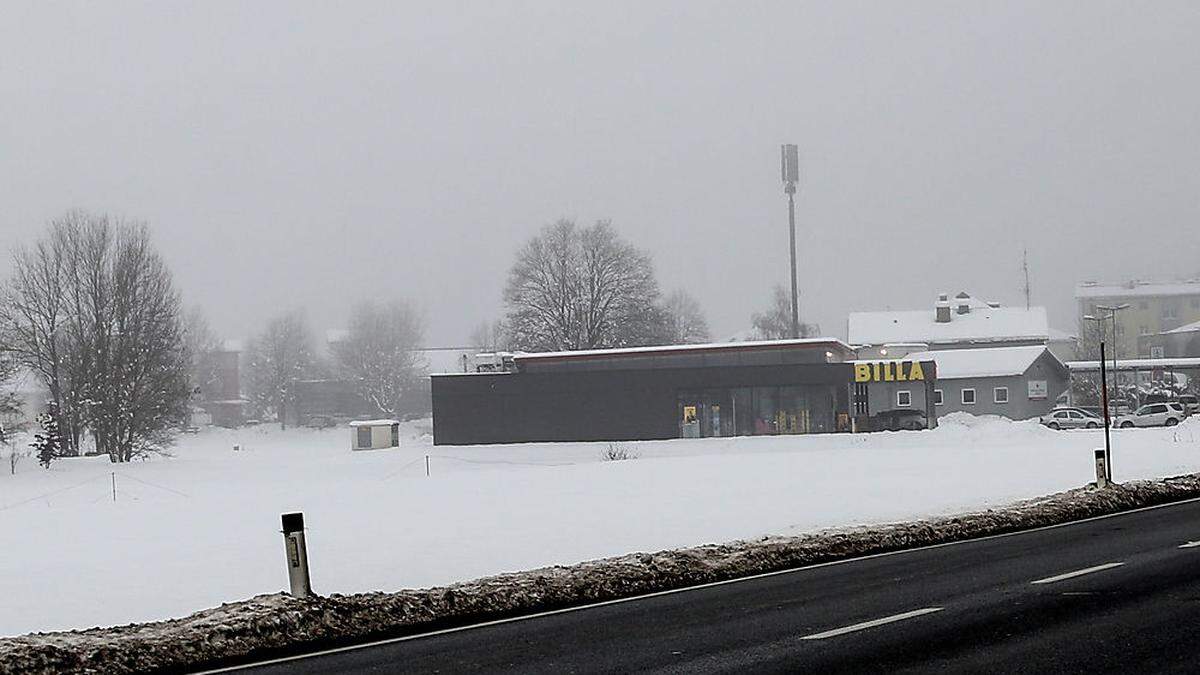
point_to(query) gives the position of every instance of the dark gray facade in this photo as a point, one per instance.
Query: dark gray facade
(784, 387)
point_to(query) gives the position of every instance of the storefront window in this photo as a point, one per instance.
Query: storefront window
(757, 411)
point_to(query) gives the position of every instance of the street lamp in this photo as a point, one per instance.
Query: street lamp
(1112, 314)
(1103, 395)
(789, 164)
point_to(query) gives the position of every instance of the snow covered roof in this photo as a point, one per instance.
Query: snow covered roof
(981, 324)
(1189, 328)
(232, 346)
(672, 349)
(374, 423)
(446, 359)
(1136, 364)
(956, 364)
(1136, 289)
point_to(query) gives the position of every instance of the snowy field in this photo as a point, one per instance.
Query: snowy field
(200, 528)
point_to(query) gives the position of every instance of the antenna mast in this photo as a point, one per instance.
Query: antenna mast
(1025, 269)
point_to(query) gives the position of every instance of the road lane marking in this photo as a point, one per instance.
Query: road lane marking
(1191, 544)
(871, 624)
(689, 589)
(1078, 573)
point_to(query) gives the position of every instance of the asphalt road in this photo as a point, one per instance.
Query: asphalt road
(1118, 594)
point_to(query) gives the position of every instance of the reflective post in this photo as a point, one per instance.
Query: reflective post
(297, 555)
(1101, 468)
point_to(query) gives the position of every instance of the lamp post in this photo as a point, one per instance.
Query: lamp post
(1103, 394)
(789, 163)
(1112, 314)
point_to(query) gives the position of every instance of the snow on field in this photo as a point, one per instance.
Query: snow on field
(201, 528)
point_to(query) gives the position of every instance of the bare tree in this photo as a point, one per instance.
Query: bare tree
(489, 336)
(381, 353)
(581, 288)
(201, 344)
(776, 323)
(93, 311)
(276, 358)
(684, 321)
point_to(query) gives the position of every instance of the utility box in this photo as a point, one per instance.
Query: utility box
(374, 434)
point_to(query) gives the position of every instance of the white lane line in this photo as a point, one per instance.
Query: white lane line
(1078, 573)
(871, 624)
(1191, 544)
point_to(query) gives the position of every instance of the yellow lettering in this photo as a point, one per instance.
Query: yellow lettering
(862, 372)
(917, 372)
(889, 373)
(877, 377)
(900, 372)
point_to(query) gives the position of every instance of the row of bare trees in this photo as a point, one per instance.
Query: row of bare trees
(91, 309)
(379, 353)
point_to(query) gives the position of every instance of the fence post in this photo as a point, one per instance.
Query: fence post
(297, 555)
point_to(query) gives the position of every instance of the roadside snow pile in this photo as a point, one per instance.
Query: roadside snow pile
(272, 622)
(202, 527)
(991, 428)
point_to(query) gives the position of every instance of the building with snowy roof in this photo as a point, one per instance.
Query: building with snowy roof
(961, 322)
(1014, 382)
(1150, 308)
(1182, 342)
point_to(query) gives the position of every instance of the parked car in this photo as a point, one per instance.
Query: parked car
(1191, 403)
(1153, 415)
(899, 420)
(1071, 418)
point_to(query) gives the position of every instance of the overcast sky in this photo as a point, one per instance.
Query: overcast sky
(310, 154)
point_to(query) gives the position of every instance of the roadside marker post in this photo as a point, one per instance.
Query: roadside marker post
(1101, 468)
(297, 555)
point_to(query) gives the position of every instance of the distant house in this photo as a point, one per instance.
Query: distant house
(1153, 308)
(221, 398)
(1014, 382)
(1182, 342)
(961, 322)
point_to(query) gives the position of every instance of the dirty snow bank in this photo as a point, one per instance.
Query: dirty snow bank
(276, 622)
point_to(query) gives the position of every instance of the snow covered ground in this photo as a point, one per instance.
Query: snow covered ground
(201, 528)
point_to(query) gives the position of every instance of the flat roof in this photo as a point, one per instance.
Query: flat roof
(1134, 364)
(1135, 289)
(662, 350)
(374, 423)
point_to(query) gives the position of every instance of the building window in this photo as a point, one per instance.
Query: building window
(1143, 305)
(364, 437)
(1195, 303)
(1000, 395)
(1142, 330)
(1170, 311)
(937, 396)
(968, 396)
(904, 398)
(1155, 353)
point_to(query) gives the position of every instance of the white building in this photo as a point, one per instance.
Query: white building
(960, 322)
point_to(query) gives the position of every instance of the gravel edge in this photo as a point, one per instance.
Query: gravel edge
(277, 623)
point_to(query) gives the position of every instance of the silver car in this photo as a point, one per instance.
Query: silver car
(1071, 418)
(1153, 415)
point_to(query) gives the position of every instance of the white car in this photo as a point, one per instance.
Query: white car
(1152, 415)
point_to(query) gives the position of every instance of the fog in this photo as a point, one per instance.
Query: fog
(313, 154)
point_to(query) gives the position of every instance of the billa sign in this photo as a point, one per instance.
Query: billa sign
(889, 371)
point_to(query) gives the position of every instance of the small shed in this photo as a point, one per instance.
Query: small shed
(374, 434)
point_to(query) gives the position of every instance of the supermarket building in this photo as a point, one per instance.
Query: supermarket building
(679, 391)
